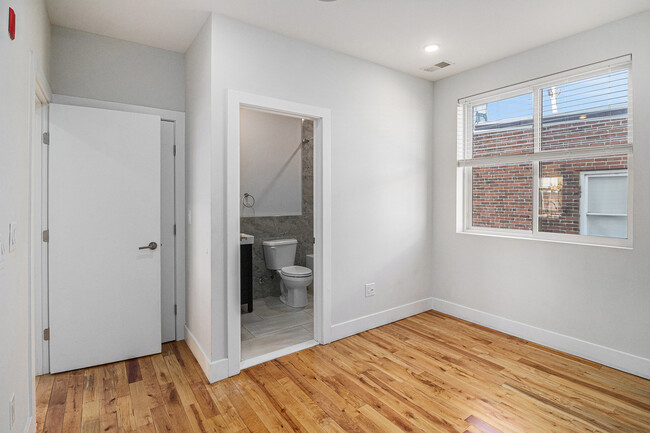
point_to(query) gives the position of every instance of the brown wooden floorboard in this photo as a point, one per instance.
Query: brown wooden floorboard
(427, 373)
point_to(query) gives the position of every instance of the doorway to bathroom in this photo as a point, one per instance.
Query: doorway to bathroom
(278, 179)
(277, 231)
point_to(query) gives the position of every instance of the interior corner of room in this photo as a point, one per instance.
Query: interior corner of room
(221, 207)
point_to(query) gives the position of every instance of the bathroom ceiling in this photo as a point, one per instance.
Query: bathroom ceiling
(392, 33)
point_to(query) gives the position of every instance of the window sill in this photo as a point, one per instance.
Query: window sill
(591, 241)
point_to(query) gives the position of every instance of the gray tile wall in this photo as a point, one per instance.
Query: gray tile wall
(296, 227)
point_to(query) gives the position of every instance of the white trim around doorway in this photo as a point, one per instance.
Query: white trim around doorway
(322, 216)
(39, 90)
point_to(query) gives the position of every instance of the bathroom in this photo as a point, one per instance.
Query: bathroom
(277, 232)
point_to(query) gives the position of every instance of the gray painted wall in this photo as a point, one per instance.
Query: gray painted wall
(87, 65)
(299, 227)
(595, 294)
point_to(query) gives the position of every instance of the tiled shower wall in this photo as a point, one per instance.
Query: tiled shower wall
(299, 227)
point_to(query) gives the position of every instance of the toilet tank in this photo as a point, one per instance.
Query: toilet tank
(279, 253)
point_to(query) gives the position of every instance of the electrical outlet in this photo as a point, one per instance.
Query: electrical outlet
(12, 411)
(370, 289)
(12, 237)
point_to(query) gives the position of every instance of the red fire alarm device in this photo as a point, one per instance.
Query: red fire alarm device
(12, 24)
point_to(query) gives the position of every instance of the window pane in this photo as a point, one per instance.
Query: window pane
(607, 226)
(607, 194)
(502, 196)
(583, 113)
(573, 191)
(503, 127)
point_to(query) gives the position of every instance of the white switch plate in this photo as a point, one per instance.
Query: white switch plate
(370, 289)
(12, 237)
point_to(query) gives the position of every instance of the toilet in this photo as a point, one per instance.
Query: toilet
(279, 256)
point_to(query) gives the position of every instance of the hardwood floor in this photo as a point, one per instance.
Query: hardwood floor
(427, 373)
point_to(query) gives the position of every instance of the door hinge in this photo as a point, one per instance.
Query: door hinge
(46, 334)
(46, 235)
(174, 150)
(313, 240)
(46, 138)
(175, 310)
(174, 229)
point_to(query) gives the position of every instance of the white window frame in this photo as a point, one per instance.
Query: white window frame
(465, 162)
(584, 193)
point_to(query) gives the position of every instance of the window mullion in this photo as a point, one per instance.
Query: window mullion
(469, 132)
(536, 197)
(537, 119)
(537, 147)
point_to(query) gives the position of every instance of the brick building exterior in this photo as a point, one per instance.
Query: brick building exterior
(502, 196)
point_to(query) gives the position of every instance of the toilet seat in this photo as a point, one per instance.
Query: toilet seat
(296, 271)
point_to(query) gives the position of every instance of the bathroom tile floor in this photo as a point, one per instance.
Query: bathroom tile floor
(273, 325)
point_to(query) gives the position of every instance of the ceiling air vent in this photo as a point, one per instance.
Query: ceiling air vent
(437, 66)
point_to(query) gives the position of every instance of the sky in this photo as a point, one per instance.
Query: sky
(601, 91)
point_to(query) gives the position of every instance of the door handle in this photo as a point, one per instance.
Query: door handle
(151, 246)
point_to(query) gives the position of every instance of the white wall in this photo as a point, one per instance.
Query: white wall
(40, 34)
(32, 34)
(199, 139)
(596, 296)
(271, 163)
(381, 152)
(98, 67)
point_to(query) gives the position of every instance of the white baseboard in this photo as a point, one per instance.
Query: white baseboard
(30, 427)
(603, 355)
(214, 370)
(354, 326)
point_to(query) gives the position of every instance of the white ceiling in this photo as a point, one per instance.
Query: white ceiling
(388, 32)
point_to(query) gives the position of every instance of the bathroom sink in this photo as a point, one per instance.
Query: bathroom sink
(245, 239)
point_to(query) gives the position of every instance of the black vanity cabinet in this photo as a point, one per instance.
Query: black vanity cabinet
(246, 275)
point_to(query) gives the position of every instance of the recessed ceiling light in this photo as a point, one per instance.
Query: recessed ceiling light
(431, 48)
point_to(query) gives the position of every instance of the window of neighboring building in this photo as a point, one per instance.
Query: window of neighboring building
(603, 203)
(549, 159)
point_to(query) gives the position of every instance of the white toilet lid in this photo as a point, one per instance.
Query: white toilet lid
(296, 271)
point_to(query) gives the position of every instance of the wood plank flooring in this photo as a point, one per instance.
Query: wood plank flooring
(427, 373)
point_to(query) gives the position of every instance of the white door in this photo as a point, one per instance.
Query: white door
(104, 206)
(167, 247)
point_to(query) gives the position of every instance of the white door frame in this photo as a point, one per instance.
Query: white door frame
(39, 90)
(178, 118)
(322, 214)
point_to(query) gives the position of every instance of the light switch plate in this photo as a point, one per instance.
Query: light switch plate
(12, 237)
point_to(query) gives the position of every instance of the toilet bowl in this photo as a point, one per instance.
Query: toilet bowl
(279, 256)
(293, 285)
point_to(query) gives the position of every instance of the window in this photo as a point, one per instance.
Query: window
(603, 203)
(550, 159)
